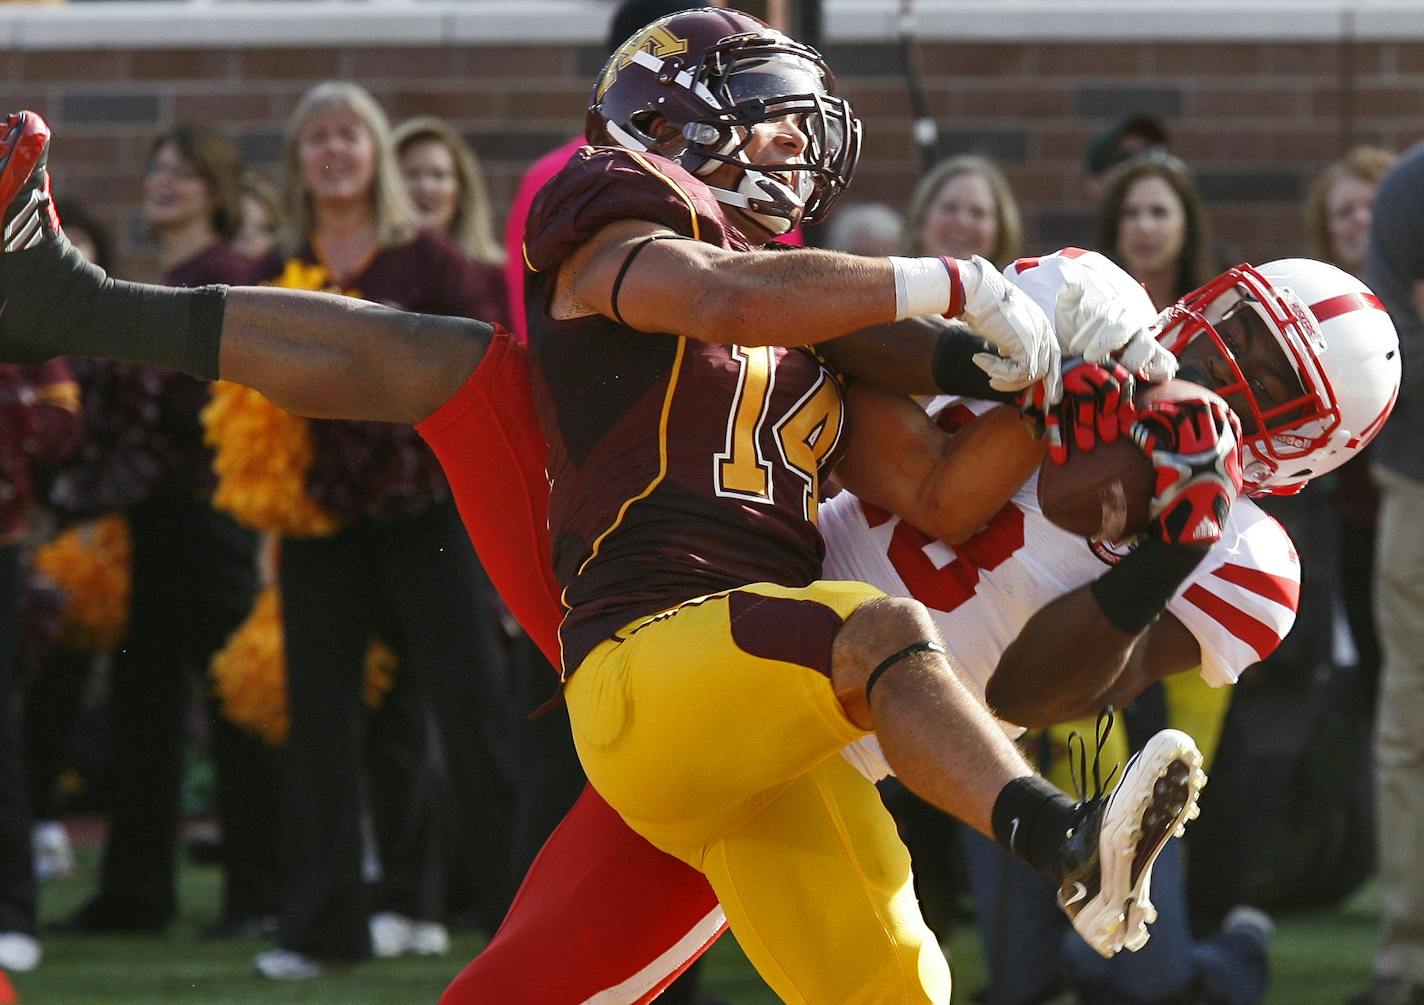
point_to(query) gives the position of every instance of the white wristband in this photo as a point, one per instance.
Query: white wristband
(922, 286)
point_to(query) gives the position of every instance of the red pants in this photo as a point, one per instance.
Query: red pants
(603, 917)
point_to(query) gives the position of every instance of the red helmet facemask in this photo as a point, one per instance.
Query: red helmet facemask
(1288, 432)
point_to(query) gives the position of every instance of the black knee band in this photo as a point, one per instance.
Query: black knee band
(923, 646)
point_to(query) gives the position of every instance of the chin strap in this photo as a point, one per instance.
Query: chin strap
(758, 191)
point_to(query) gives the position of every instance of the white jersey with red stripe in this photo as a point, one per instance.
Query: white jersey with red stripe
(1238, 603)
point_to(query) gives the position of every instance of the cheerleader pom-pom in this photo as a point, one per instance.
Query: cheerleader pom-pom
(90, 562)
(262, 454)
(250, 672)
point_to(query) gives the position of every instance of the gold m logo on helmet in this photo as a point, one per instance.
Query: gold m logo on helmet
(655, 41)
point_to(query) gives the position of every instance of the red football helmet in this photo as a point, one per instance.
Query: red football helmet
(715, 74)
(1338, 339)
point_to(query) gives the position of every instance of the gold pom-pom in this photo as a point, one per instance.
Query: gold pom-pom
(261, 458)
(91, 562)
(250, 672)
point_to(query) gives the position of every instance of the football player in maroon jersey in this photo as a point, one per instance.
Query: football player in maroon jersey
(743, 695)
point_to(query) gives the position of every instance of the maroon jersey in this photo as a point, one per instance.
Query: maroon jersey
(677, 468)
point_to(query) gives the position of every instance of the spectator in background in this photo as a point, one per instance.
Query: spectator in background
(39, 422)
(864, 228)
(1153, 223)
(1121, 139)
(388, 557)
(55, 691)
(1337, 220)
(1394, 269)
(447, 186)
(188, 558)
(261, 217)
(964, 207)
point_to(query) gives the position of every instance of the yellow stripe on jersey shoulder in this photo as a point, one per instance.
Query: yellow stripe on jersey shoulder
(681, 192)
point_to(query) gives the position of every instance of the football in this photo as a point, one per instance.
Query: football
(1105, 493)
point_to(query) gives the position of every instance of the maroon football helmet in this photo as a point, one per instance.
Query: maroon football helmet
(715, 74)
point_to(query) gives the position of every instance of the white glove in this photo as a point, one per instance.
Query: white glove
(1093, 323)
(1011, 322)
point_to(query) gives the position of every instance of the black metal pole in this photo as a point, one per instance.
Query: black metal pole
(807, 23)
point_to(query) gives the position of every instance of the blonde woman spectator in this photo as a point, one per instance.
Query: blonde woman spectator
(398, 562)
(447, 185)
(964, 207)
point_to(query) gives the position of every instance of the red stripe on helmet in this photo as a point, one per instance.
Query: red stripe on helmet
(1344, 304)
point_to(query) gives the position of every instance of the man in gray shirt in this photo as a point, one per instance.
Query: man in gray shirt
(1395, 271)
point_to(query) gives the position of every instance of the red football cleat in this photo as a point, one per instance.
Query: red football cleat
(29, 211)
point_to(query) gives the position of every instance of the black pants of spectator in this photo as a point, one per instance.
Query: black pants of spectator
(17, 874)
(419, 581)
(1356, 587)
(194, 580)
(53, 698)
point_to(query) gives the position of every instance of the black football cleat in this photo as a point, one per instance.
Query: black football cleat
(1107, 859)
(29, 213)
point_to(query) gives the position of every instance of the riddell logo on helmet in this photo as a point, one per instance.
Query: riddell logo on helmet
(656, 41)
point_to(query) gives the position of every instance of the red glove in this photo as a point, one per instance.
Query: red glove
(1194, 449)
(1095, 408)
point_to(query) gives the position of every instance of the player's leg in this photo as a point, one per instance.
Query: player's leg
(716, 722)
(936, 733)
(601, 916)
(690, 721)
(818, 891)
(891, 675)
(311, 353)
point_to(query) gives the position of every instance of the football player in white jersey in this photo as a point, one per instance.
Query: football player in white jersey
(1308, 360)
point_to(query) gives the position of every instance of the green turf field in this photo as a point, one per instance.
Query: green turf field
(1317, 959)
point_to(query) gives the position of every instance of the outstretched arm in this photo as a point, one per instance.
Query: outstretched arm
(704, 292)
(312, 353)
(329, 356)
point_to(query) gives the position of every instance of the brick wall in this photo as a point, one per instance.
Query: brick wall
(1256, 119)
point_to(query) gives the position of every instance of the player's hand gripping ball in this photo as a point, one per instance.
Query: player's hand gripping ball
(1107, 493)
(1096, 407)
